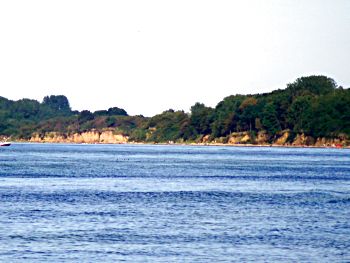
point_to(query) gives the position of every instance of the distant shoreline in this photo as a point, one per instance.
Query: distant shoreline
(191, 144)
(310, 112)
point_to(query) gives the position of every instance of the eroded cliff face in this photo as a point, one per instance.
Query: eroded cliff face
(285, 138)
(302, 139)
(85, 137)
(326, 142)
(239, 138)
(282, 138)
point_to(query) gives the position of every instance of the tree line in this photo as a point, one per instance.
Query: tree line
(315, 106)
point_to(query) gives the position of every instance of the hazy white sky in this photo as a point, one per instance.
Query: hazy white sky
(149, 56)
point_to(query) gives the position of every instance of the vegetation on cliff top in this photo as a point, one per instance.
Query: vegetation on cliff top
(314, 106)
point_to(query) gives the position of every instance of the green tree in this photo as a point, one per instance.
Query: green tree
(226, 115)
(201, 118)
(58, 103)
(117, 111)
(269, 119)
(248, 114)
(168, 126)
(316, 85)
(85, 116)
(101, 113)
(299, 114)
(26, 108)
(331, 114)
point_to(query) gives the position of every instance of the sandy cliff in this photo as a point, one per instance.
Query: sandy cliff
(92, 136)
(285, 138)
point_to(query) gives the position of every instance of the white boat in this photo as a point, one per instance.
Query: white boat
(5, 144)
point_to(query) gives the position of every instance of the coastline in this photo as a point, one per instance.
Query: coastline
(186, 144)
(236, 139)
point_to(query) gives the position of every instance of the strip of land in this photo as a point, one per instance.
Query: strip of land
(312, 111)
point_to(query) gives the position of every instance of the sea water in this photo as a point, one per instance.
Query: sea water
(150, 203)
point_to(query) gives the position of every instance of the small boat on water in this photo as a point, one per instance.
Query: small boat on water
(5, 144)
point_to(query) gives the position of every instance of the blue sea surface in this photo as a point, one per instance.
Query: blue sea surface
(151, 203)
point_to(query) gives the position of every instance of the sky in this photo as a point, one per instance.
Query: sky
(150, 56)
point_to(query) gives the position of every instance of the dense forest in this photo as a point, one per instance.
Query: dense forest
(314, 106)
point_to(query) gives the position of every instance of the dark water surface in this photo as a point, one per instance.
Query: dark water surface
(113, 203)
